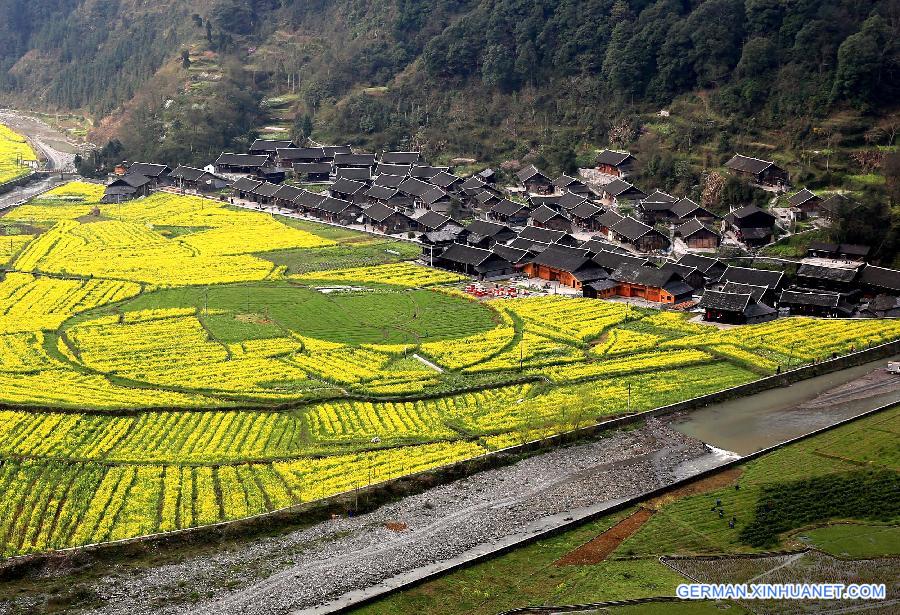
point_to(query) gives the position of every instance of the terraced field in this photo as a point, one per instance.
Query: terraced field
(14, 150)
(173, 362)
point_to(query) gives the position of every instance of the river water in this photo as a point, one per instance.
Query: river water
(748, 424)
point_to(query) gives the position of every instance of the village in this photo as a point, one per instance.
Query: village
(604, 238)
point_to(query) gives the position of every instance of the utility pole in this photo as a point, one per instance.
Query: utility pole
(629, 396)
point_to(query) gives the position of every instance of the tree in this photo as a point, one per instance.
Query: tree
(185, 59)
(860, 64)
(498, 67)
(527, 62)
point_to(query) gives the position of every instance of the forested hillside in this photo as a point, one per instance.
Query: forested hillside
(812, 84)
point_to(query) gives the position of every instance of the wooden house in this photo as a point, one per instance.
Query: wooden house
(285, 195)
(331, 151)
(358, 174)
(228, 162)
(354, 160)
(129, 186)
(243, 188)
(547, 236)
(642, 237)
(270, 147)
(566, 183)
(446, 181)
(587, 216)
(657, 207)
(814, 303)
(190, 178)
(570, 200)
(484, 234)
(339, 211)
(691, 276)
(436, 199)
(838, 251)
(819, 275)
(389, 181)
(545, 217)
(388, 220)
(485, 200)
(534, 181)
(607, 220)
(264, 193)
(651, 284)
(407, 158)
(621, 193)
(762, 172)
(158, 174)
(510, 212)
(393, 169)
(349, 190)
(752, 225)
(288, 157)
(312, 171)
(478, 262)
(385, 195)
(427, 172)
(308, 202)
(807, 202)
(880, 280)
(617, 164)
(835, 206)
(568, 266)
(735, 308)
(697, 235)
(434, 221)
(271, 175)
(766, 278)
(685, 209)
(712, 268)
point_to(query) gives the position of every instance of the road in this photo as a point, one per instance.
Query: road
(53, 146)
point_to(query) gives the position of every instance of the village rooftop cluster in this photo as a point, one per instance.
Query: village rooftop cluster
(601, 239)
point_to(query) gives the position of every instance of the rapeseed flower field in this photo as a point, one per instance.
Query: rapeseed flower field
(159, 370)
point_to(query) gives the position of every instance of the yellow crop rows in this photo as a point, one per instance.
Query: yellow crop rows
(241, 406)
(13, 150)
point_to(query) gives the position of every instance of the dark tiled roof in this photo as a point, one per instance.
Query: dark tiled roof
(658, 196)
(530, 172)
(301, 153)
(756, 277)
(391, 181)
(643, 275)
(757, 292)
(801, 197)
(392, 169)
(468, 255)
(796, 297)
(684, 207)
(699, 262)
(488, 229)
(312, 167)
(486, 196)
(148, 169)
(241, 160)
(542, 235)
(432, 220)
(270, 145)
(748, 164)
(570, 200)
(598, 245)
(881, 277)
(727, 302)
(544, 214)
(586, 211)
(354, 160)
(473, 183)
(287, 192)
(693, 226)
(309, 199)
(347, 186)
(333, 205)
(380, 212)
(414, 187)
(630, 228)
(266, 189)
(426, 172)
(833, 274)
(135, 180)
(246, 184)
(381, 193)
(513, 255)
(566, 181)
(551, 200)
(333, 150)
(401, 157)
(756, 233)
(505, 207)
(747, 211)
(355, 173)
(612, 158)
(609, 218)
(524, 243)
(614, 260)
(433, 195)
(444, 179)
(187, 173)
(563, 258)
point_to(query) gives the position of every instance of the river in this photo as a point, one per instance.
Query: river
(748, 424)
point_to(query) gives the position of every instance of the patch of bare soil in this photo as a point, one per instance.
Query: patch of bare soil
(718, 480)
(256, 319)
(878, 382)
(600, 547)
(396, 526)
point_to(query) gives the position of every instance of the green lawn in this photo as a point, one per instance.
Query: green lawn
(348, 254)
(855, 541)
(267, 309)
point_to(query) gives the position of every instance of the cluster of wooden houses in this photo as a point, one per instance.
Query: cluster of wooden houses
(554, 229)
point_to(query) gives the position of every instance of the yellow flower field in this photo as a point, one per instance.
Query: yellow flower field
(13, 148)
(246, 390)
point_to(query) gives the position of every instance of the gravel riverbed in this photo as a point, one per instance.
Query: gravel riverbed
(312, 567)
